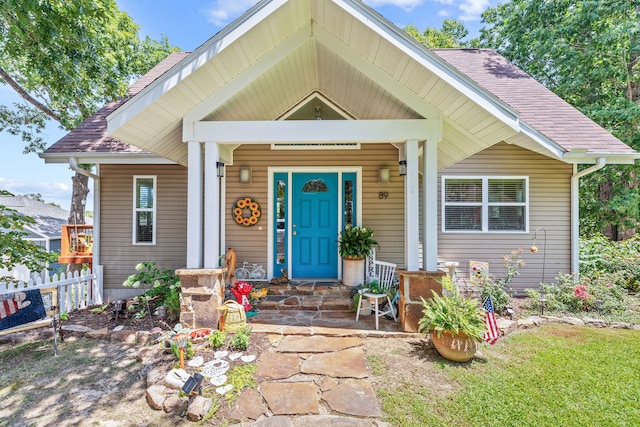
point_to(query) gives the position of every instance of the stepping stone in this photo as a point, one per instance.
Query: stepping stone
(248, 405)
(341, 364)
(316, 344)
(276, 366)
(291, 398)
(361, 401)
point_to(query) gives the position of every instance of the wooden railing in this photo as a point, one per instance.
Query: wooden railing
(77, 244)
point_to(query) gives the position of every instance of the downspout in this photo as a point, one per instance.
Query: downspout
(97, 268)
(575, 211)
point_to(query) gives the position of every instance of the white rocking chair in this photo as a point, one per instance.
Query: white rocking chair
(384, 273)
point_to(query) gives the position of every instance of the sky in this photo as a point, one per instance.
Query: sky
(188, 24)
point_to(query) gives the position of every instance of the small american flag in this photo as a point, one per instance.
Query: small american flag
(493, 333)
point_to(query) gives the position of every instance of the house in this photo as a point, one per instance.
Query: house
(45, 231)
(303, 116)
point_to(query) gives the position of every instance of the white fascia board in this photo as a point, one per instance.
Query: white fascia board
(107, 158)
(226, 37)
(433, 63)
(580, 156)
(242, 80)
(556, 150)
(260, 132)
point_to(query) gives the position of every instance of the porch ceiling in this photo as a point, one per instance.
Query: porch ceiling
(279, 52)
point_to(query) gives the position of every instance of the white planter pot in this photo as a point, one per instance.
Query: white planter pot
(352, 272)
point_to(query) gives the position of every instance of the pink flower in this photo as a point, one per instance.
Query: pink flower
(582, 292)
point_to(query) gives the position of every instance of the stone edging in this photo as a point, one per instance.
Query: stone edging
(508, 326)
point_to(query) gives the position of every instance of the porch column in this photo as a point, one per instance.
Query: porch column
(194, 205)
(430, 205)
(412, 207)
(211, 205)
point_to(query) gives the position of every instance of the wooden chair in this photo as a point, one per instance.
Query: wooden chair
(384, 273)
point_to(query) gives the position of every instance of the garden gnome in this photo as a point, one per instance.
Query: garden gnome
(241, 290)
(231, 262)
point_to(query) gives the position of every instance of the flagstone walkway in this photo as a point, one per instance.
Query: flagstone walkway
(311, 381)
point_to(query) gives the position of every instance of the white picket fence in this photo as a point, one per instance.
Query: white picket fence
(75, 291)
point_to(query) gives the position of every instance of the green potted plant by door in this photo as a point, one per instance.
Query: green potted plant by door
(455, 323)
(354, 245)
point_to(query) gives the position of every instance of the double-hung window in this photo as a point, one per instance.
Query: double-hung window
(144, 210)
(485, 204)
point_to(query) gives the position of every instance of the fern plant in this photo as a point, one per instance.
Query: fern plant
(453, 313)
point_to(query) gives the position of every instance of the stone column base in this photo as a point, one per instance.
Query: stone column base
(413, 286)
(202, 292)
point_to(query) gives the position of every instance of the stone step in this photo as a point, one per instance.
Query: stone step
(304, 288)
(305, 302)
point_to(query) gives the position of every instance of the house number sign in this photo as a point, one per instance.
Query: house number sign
(383, 195)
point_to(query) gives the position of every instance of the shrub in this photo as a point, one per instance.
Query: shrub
(499, 288)
(586, 295)
(217, 339)
(615, 262)
(164, 285)
(241, 339)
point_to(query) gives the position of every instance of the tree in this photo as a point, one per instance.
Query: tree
(451, 35)
(67, 58)
(588, 53)
(14, 249)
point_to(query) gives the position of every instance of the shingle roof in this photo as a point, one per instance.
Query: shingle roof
(538, 106)
(48, 218)
(91, 135)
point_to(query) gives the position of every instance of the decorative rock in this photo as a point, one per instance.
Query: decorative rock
(144, 337)
(337, 421)
(174, 404)
(279, 398)
(154, 376)
(119, 328)
(345, 363)
(128, 337)
(220, 354)
(526, 323)
(76, 329)
(100, 334)
(215, 368)
(276, 366)
(316, 344)
(636, 327)
(598, 323)
(196, 362)
(234, 356)
(573, 321)
(224, 390)
(620, 325)
(176, 378)
(156, 395)
(248, 405)
(218, 381)
(198, 408)
(361, 399)
(553, 319)
(155, 331)
(506, 326)
(248, 358)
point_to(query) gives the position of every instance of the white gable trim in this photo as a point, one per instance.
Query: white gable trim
(225, 38)
(260, 132)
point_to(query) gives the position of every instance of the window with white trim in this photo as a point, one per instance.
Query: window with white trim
(485, 204)
(144, 210)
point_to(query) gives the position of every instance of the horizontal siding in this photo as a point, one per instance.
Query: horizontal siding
(384, 216)
(118, 255)
(549, 207)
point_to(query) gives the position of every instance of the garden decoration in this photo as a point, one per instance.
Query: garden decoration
(242, 291)
(181, 342)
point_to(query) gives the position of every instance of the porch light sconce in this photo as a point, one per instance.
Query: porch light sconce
(220, 169)
(245, 175)
(384, 175)
(402, 165)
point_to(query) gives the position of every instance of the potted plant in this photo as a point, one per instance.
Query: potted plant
(354, 245)
(455, 323)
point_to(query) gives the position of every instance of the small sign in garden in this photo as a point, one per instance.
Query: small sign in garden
(19, 308)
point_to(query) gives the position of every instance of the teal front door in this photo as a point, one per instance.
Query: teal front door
(314, 225)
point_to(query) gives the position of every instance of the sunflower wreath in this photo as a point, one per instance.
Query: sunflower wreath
(246, 211)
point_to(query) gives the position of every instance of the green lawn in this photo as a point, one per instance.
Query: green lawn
(550, 376)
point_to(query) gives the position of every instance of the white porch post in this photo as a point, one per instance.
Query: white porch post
(430, 205)
(211, 205)
(411, 207)
(194, 205)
